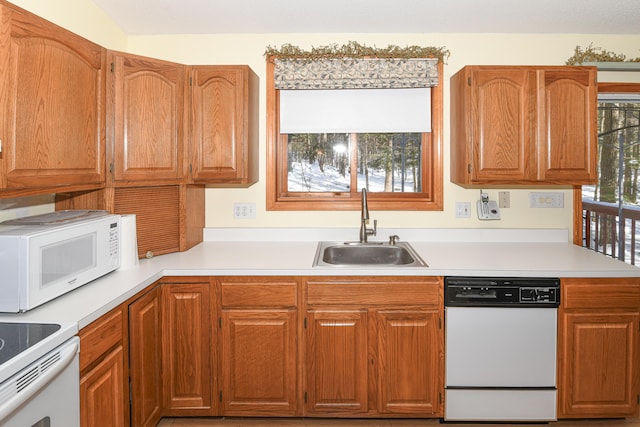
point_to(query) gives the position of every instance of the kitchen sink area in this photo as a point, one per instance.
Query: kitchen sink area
(366, 254)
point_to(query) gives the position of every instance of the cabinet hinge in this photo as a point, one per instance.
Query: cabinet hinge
(305, 323)
(111, 168)
(190, 81)
(113, 67)
(190, 169)
(439, 323)
(440, 398)
(469, 81)
(469, 168)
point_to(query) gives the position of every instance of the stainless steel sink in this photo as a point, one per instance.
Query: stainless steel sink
(378, 254)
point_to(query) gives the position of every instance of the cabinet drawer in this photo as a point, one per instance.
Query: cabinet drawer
(101, 335)
(246, 293)
(370, 290)
(601, 293)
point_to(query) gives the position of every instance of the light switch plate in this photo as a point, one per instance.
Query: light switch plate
(548, 199)
(504, 199)
(463, 209)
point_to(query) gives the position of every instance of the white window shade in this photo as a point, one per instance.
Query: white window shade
(355, 110)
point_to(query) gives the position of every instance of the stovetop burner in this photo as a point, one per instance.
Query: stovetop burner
(17, 337)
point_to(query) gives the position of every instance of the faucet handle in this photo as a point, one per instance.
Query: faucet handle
(393, 239)
(375, 228)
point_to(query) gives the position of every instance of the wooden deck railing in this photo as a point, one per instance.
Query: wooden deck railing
(611, 230)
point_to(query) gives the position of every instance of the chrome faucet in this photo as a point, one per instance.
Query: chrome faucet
(364, 218)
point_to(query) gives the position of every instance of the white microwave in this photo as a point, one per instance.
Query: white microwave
(45, 256)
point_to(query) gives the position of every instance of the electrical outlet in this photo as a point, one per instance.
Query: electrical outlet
(463, 210)
(504, 199)
(244, 210)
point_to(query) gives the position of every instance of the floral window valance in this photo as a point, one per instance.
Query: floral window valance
(354, 66)
(355, 73)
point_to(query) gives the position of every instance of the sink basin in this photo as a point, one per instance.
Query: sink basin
(379, 254)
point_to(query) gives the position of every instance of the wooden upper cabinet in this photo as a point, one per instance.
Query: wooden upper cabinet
(567, 125)
(146, 104)
(224, 125)
(52, 105)
(523, 125)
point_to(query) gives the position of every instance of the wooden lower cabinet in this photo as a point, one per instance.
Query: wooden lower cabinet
(259, 346)
(104, 397)
(599, 348)
(145, 353)
(266, 347)
(408, 361)
(187, 349)
(374, 347)
(337, 361)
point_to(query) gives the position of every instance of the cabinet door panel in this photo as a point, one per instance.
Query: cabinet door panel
(102, 397)
(567, 125)
(149, 110)
(502, 134)
(259, 362)
(337, 361)
(187, 348)
(409, 361)
(52, 98)
(224, 126)
(598, 375)
(145, 359)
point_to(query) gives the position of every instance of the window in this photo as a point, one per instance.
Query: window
(610, 210)
(385, 140)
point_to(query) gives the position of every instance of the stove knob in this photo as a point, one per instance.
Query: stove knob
(534, 295)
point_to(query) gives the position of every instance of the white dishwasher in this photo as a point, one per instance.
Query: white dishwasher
(500, 347)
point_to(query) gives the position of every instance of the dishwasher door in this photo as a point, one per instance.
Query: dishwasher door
(500, 347)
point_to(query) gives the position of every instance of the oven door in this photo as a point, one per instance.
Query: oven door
(45, 393)
(500, 347)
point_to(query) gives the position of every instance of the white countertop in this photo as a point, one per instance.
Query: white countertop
(507, 253)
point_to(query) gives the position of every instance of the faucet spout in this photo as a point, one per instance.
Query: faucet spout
(364, 211)
(364, 218)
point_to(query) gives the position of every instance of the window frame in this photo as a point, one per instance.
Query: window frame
(604, 87)
(430, 199)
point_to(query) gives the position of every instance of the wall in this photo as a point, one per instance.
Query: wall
(506, 49)
(83, 17)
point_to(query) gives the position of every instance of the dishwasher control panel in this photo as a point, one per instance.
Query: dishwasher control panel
(496, 292)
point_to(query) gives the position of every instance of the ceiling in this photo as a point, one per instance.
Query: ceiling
(138, 17)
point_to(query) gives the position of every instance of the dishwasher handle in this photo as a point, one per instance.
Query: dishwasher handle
(25, 384)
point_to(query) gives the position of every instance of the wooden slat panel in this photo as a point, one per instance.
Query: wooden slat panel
(157, 216)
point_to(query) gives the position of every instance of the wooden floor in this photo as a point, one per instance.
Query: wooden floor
(315, 422)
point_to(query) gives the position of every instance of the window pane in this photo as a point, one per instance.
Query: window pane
(318, 162)
(390, 162)
(385, 162)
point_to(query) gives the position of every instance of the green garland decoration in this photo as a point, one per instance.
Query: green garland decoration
(356, 50)
(596, 54)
